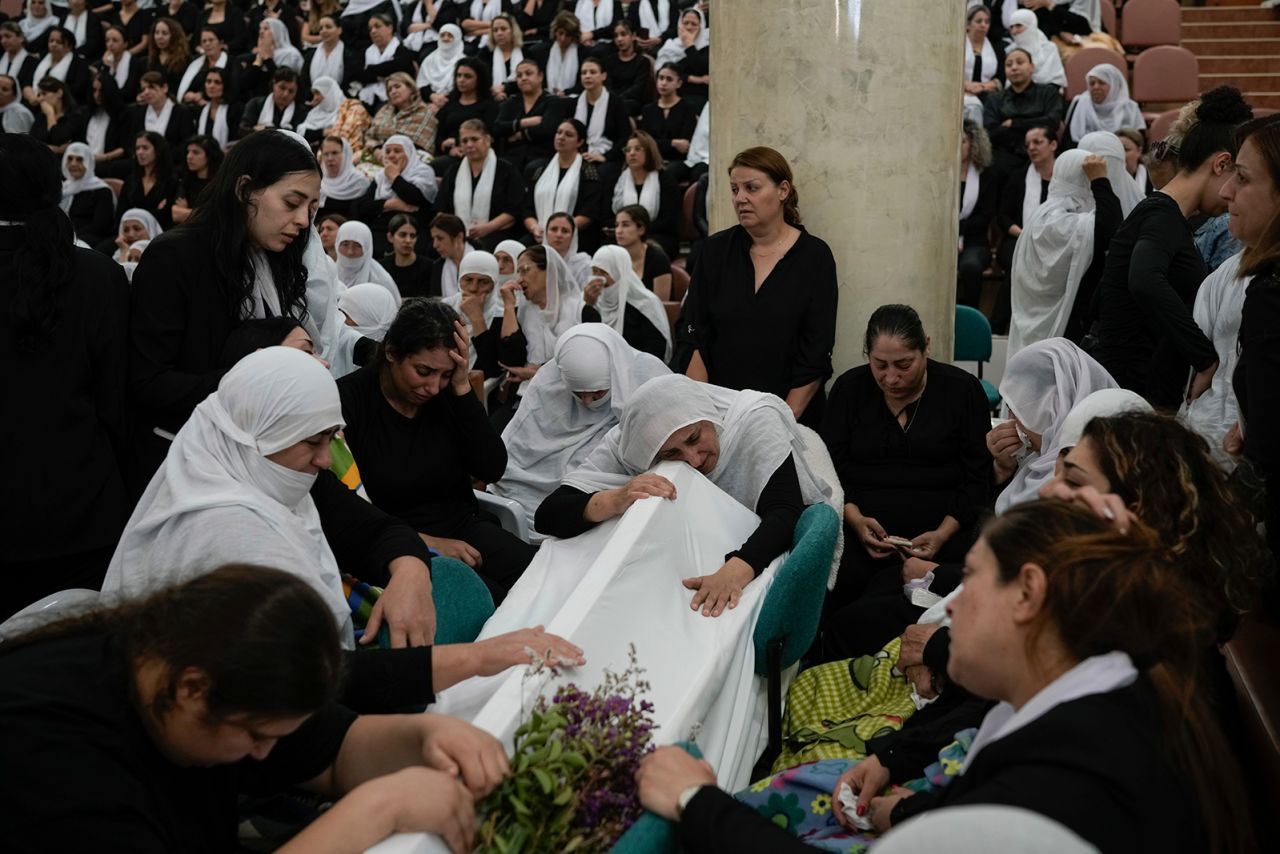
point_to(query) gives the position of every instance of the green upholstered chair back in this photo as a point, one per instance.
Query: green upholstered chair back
(462, 601)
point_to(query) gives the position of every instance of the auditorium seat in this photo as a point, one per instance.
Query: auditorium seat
(1079, 63)
(1109, 23)
(687, 232)
(679, 282)
(116, 185)
(1251, 660)
(1159, 128)
(1151, 22)
(1165, 74)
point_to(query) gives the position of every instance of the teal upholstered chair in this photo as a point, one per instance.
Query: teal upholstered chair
(973, 344)
(462, 601)
(787, 625)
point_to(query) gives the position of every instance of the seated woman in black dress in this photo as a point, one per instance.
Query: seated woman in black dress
(670, 120)
(85, 197)
(763, 310)
(485, 192)
(908, 437)
(630, 75)
(411, 271)
(645, 183)
(421, 436)
(204, 156)
(568, 184)
(650, 263)
(152, 184)
(1066, 622)
(57, 123)
(471, 98)
(527, 121)
(343, 190)
(615, 296)
(746, 443)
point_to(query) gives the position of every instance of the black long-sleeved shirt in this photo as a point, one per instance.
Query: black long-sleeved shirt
(1254, 382)
(454, 113)
(628, 79)
(93, 215)
(1147, 338)
(420, 469)
(774, 338)
(536, 141)
(779, 508)
(507, 195)
(973, 228)
(1107, 218)
(676, 122)
(591, 194)
(1039, 103)
(637, 330)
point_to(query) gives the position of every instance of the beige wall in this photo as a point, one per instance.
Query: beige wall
(863, 99)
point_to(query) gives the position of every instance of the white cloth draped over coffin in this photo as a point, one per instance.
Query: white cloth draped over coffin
(620, 584)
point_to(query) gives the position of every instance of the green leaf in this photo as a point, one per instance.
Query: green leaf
(518, 805)
(544, 780)
(557, 746)
(563, 797)
(573, 759)
(573, 844)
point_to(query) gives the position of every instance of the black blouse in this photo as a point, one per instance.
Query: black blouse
(1147, 338)
(676, 122)
(507, 196)
(909, 478)
(93, 215)
(773, 339)
(454, 113)
(420, 469)
(411, 280)
(1254, 382)
(628, 79)
(158, 200)
(637, 330)
(656, 263)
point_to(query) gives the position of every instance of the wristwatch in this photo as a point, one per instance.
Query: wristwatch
(687, 795)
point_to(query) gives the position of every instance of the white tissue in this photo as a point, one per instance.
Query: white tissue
(849, 806)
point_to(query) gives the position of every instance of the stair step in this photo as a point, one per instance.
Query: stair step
(1243, 82)
(1240, 46)
(1229, 30)
(1205, 14)
(1239, 64)
(1270, 100)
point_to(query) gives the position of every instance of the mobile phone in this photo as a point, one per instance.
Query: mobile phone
(898, 541)
(643, 32)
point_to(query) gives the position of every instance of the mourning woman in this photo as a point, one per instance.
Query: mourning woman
(763, 307)
(85, 197)
(422, 436)
(63, 324)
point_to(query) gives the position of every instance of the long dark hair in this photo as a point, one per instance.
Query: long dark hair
(32, 181)
(112, 100)
(222, 215)
(484, 86)
(1265, 133)
(266, 641)
(422, 323)
(1107, 591)
(162, 164)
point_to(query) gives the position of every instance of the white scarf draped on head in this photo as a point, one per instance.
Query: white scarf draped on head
(1100, 404)
(478, 262)
(450, 274)
(198, 65)
(542, 326)
(673, 50)
(357, 271)
(757, 433)
(324, 114)
(1042, 383)
(436, 70)
(552, 194)
(597, 142)
(512, 249)
(216, 485)
(1044, 53)
(1107, 145)
(33, 27)
(415, 171)
(472, 199)
(627, 290)
(371, 307)
(349, 184)
(143, 217)
(1051, 256)
(650, 195)
(373, 55)
(1031, 193)
(328, 64)
(1116, 111)
(285, 54)
(553, 431)
(562, 68)
(990, 63)
(72, 186)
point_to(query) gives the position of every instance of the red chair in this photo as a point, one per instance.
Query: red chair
(673, 314)
(1109, 23)
(1152, 22)
(1159, 129)
(1078, 65)
(116, 185)
(687, 232)
(679, 282)
(1165, 73)
(11, 8)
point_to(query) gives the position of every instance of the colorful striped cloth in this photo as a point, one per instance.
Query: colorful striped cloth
(360, 597)
(344, 466)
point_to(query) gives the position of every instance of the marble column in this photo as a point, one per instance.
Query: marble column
(863, 99)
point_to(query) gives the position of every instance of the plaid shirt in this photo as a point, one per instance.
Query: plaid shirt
(418, 123)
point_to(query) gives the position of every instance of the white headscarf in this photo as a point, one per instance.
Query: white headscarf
(562, 67)
(757, 433)
(16, 118)
(1100, 404)
(373, 55)
(1044, 53)
(1116, 111)
(450, 273)
(349, 184)
(1107, 145)
(981, 829)
(371, 307)
(415, 171)
(553, 431)
(484, 264)
(1042, 383)
(542, 326)
(328, 64)
(357, 271)
(1218, 310)
(72, 186)
(673, 50)
(597, 142)
(148, 221)
(512, 248)
(189, 76)
(650, 195)
(33, 27)
(217, 469)
(285, 54)
(626, 290)
(472, 206)
(551, 194)
(436, 70)
(324, 114)
(1051, 256)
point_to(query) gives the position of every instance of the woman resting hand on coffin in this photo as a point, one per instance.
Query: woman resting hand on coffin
(745, 442)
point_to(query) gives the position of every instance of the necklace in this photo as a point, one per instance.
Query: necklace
(897, 416)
